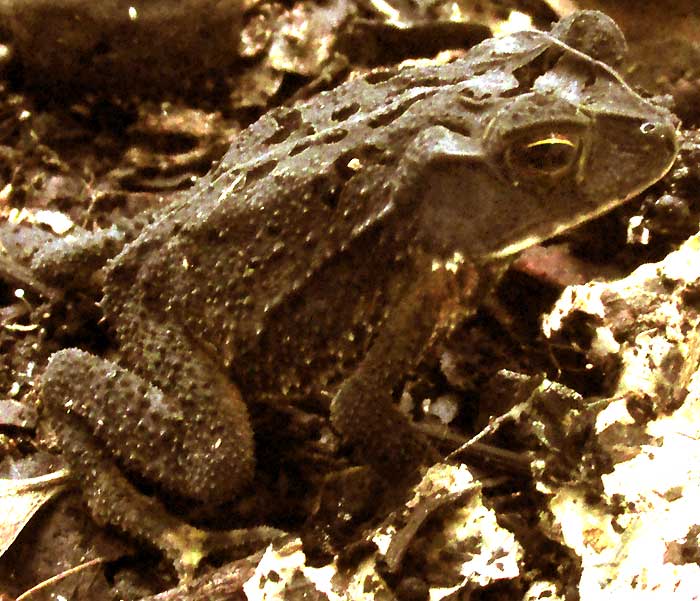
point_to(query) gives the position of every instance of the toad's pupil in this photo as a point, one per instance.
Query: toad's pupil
(546, 156)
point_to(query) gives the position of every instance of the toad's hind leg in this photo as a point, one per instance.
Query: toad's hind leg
(192, 438)
(189, 434)
(114, 500)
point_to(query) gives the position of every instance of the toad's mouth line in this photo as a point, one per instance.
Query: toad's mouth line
(565, 226)
(529, 241)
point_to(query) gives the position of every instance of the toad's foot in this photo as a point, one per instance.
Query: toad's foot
(186, 546)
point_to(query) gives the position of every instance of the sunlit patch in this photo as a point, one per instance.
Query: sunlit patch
(452, 264)
(517, 21)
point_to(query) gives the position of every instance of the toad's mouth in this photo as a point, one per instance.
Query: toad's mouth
(528, 241)
(574, 221)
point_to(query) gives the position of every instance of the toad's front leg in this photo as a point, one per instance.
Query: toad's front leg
(434, 176)
(363, 410)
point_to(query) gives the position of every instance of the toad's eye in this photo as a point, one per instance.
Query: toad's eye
(551, 155)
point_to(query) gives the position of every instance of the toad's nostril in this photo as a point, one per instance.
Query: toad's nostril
(661, 132)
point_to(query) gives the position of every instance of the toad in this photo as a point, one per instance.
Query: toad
(323, 252)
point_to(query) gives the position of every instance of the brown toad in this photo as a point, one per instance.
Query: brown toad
(322, 254)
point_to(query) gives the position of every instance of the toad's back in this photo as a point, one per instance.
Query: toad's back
(291, 250)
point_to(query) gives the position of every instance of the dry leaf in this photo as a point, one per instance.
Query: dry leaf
(21, 499)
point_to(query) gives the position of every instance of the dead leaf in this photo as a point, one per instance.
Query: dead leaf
(21, 499)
